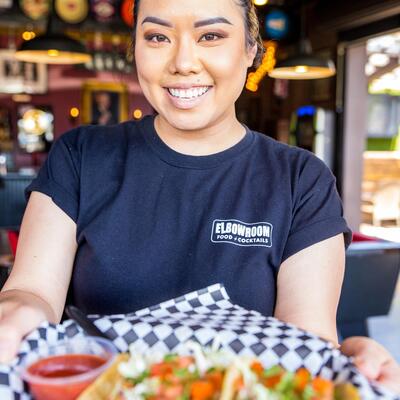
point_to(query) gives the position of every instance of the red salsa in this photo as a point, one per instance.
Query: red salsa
(63, 366)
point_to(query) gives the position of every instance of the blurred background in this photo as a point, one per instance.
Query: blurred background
(329, 83)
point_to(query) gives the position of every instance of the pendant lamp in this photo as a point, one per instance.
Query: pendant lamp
(304, 64)
(53, 48)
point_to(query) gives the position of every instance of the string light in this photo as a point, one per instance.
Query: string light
(28, 35)
(268, 64)
(74, 112)
(137, 114)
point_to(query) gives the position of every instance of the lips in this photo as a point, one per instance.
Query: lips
(187, 98)
(188, 93)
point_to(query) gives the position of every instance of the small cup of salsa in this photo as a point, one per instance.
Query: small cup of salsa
(65, 369)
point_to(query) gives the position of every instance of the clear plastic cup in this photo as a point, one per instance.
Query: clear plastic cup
(63, 370)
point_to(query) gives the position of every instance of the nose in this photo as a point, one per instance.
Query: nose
(185, 59)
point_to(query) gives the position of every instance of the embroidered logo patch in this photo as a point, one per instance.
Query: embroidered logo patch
(241, 233)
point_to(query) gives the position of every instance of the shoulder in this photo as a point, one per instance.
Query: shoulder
(102, 138)
(100, 133)
(287, 158)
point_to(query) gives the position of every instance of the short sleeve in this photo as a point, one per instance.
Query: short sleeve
(58, 177)
(317, 209)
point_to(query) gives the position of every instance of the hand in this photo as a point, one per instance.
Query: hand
(374, 361)
(20, 313)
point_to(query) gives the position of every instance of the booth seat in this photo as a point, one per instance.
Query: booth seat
(372, 270)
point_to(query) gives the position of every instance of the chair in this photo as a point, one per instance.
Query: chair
(12, 208)
(12, 199)
(386, 204)
(13, 241)
(372, 270)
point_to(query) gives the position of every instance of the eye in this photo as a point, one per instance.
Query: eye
(156, 38)
(210, 37)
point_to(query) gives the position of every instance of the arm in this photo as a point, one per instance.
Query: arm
(308, 287)
(37, 287)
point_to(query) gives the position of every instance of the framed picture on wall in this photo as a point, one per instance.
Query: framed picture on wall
(6, 142)
(104, 103)
(21, 77)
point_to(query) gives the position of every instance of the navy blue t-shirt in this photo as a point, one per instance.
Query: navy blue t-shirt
(153, 223)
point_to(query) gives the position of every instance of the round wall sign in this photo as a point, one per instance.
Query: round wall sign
(276, 24)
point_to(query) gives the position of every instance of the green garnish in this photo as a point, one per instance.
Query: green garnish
(275, 370)
(182, 372)
(170, 357)
(185, 374)
(286, 384)
(184, 396)
(308, 393)
(140, 378)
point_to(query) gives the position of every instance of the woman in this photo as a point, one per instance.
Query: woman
(137, 213)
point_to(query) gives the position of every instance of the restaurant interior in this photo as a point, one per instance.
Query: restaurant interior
(329, 82)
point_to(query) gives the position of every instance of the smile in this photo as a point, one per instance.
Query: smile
(191, 93)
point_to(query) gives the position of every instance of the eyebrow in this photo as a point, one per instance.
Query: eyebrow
(157, 21)
(210, 21)
(198, 24)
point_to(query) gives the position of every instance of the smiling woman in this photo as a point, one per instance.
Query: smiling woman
(192, 64)
(126, 216)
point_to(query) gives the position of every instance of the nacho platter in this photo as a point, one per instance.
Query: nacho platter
(200, 316)
(208, 374)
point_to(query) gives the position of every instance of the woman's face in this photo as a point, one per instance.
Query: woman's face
(192, 59)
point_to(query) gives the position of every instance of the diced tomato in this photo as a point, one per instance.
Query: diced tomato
(257, 368)
(171, 379)
(172, 392)
(272, 381)
(301, 379)
(161, 369)
(202, 390)
(239, 383)
(216, 378)
(184, 361)
(324, 389)
(272, 377)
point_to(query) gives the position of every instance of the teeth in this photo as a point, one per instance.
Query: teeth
(188, 93)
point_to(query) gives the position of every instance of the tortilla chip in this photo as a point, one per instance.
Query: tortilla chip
(346, 391)
(107, 386)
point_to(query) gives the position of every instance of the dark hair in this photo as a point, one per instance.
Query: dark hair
(252, 27)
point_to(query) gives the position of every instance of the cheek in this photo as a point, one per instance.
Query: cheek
(225, 66)
(228, 67)
(146, 66)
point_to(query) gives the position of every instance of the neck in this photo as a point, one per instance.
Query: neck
(211, 139)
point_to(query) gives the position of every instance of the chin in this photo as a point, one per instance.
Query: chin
(187, 121)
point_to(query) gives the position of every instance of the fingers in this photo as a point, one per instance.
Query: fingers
(10, 339)
(390, 376)
(368, 355)
(374, 361)
(17, 320)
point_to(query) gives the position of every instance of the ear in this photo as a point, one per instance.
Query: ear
(251, 55)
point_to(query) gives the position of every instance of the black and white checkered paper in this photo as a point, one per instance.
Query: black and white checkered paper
(201, 316)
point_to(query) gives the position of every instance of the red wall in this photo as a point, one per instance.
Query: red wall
(64, 92)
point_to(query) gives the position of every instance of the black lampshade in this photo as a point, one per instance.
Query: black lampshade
(303, 65)
(53, 48)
